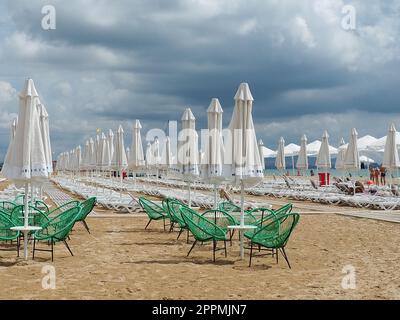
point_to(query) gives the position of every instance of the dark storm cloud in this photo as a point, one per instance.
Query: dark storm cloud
(112, 61)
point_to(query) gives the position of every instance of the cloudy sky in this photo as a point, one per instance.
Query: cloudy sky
(110, 62)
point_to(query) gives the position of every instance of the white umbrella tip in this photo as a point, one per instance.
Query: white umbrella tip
(215, 106)
(137, 125)
(244, 93)
(188, 115)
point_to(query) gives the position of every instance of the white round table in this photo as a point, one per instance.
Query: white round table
(26, 230)
(242, 228)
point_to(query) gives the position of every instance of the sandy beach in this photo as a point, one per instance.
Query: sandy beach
(120, 260)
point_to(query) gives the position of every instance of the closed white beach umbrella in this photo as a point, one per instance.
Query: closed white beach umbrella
(104, 153)
(302, 160)
(340, 156)
(166, 158)
(391, 155)
(12, 137)
(26, 161)
(188, 150)
(352, 156)
(157, 155)
(128, 153)
(45, 131)
(280, 161)
(149, 157)
(246, 167)
(86, 156)
(212, 158)
(324, 156)
(98, 149)
(78, 158)
(119, 161)
(92, 154)
(212, 163)
(110, 139)
(136, 160)
(261, 152)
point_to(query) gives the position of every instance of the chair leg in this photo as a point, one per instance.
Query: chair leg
(172, 227)
(277, 256)
(66, 244)
(187, 236)
(180, 232)
(52, 251)
(86, 226)
(285, 256)
(191, 248)
(226, 254)
(34, 249)
(147, 224)
(164, 223)
(214, 247)
(251, 252)
(18, 246)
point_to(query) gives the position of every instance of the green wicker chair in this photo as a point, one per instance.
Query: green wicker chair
(64, 207)
(56, 230)
(173, 208)
(234, 210)
(36, 216)
(274, 235)
(87, 207)
(203, 230)
(40, 204)
(6, 234)
(153, 211)
(7, 206)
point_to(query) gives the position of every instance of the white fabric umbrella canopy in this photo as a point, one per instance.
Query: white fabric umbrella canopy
(268, 153)
(26, 160)
(324, 156)
(45, 131)
(128, 153)
(86, 156)
(352, 156)
(136, 160)
(242, 148)
(188, 150)
(339, 165)
(12, 137)
(111, 142)
(213, 157)
(78, 158)
(261, 151)
(314, 147)
(166, 158)
(391, 155)
(149, 156)
(104, 154)
(92, 155)
(212, 164)
(280, 161)
(302, 160)
(119, 160)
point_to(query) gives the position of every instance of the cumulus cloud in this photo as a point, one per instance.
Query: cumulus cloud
(111, 62)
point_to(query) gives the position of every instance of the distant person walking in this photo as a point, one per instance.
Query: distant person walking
(376, 176)
(383, 175)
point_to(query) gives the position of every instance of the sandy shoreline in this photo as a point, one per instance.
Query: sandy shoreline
(120, 260)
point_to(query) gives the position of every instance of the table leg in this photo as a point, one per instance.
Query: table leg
(26, 234)
(241, 244)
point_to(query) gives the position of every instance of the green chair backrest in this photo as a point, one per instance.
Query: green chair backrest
(6, 234)
(87, 207)
(58, 228)
(153, 210)
(36, 216)
(201, 228)
(174, 207)
(278, 230)
(40, 204)
(221, 218)
(7, 206)
(228, 206)
(64, 207)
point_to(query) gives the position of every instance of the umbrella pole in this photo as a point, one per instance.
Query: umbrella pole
(190, 196)
(241, 220)
(215, 197)
(26, 222)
